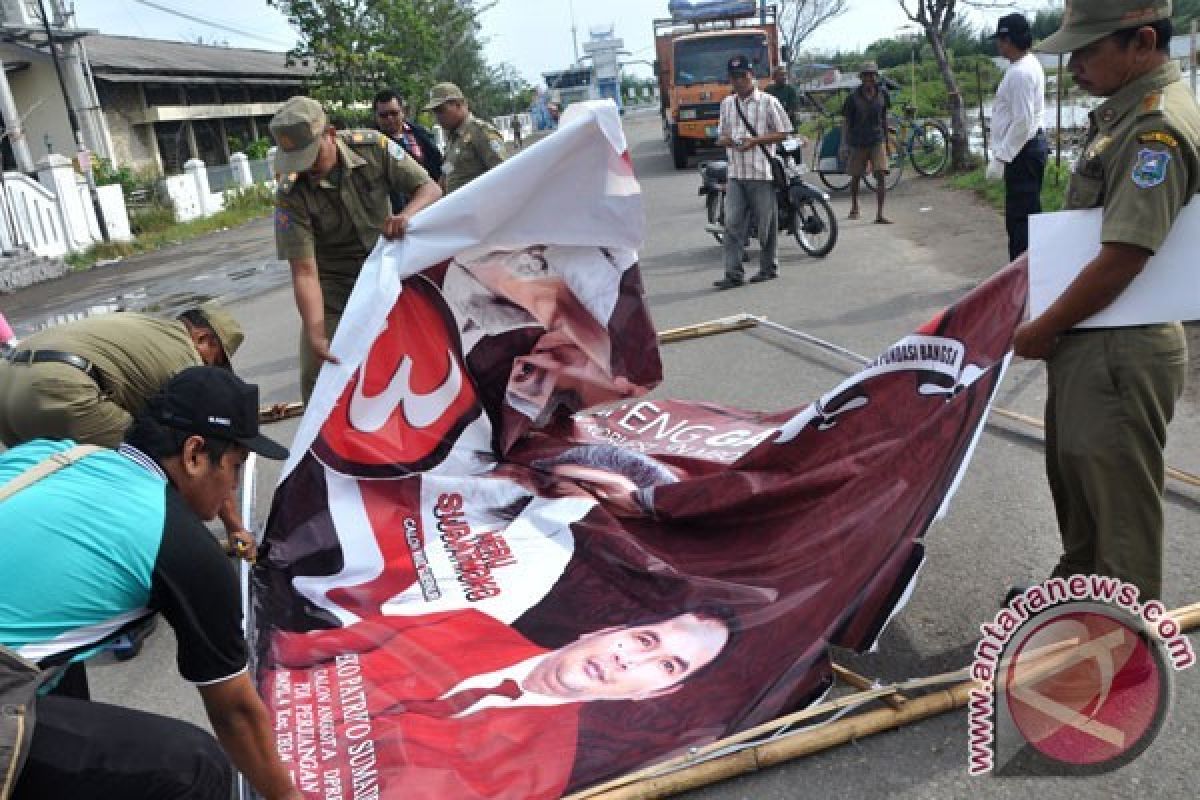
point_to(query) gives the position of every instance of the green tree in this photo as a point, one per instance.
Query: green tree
(1045, 22)
(357, 47)
(1185, 11)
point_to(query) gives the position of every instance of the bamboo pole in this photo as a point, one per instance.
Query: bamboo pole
(279, 412)
(983, 128)
(1180, 475)
(713, 327)
(1058, 93)
(863, 684)
(1192, 56)
(792, 747)
(649, 784)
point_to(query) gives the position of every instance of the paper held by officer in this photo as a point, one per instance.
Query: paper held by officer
(1063, 243)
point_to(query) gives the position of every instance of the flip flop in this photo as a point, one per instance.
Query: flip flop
(852, 215)
(882, 221)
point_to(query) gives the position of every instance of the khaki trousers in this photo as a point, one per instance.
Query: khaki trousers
(1112, 393)
(57, 401)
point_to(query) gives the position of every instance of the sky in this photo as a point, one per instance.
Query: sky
(532, 35)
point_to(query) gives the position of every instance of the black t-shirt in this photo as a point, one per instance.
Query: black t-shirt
(196, 590)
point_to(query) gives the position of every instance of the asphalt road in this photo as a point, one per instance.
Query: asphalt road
(879, 283)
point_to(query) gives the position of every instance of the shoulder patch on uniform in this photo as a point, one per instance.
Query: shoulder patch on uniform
(498, 147)
(363, 136)
(283, 220)
(1151, 168)
(1099, 146)
(1155, 101)
(1162, 137)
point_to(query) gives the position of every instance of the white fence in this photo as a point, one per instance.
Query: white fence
(31, 217)
(504, 124)
(200, 191)
(54, 215)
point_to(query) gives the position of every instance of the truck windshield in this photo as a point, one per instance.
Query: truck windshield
(706, 60)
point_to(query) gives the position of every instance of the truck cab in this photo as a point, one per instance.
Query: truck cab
(693, 77)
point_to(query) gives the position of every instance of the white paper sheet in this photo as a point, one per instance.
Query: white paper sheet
(1062, 243)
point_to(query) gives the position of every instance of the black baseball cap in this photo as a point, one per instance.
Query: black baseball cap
(739, 64)
(1011, 25)
(210, 401)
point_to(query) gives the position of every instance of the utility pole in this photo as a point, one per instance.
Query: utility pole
(73, 120)
(574, 35)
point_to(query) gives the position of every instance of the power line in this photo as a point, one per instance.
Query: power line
(210, 23)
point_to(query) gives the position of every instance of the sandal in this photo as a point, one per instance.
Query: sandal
(852, 215)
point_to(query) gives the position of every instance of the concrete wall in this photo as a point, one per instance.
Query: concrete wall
(134, 145)
(39, 102)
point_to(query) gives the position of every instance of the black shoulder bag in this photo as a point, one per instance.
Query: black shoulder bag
(778, 173)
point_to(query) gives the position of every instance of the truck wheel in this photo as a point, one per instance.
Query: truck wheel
(679, 151)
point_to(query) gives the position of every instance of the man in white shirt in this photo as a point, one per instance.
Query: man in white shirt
(1018, 143)
(752, 123)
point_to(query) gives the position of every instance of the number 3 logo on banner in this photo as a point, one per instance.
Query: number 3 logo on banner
(404, 408)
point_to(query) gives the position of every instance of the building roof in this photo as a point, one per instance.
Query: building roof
(126, 58)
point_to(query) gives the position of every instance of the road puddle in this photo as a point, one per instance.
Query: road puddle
(166, 297)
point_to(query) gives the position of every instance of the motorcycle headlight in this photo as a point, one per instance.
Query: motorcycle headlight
(687, 113)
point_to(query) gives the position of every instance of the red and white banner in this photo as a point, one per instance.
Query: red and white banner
(477, 585)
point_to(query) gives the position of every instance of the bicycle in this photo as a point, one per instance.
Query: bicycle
(925, 143)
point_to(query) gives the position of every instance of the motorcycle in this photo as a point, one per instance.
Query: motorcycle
(804, 210)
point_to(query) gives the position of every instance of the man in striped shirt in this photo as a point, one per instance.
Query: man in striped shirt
(752, 122)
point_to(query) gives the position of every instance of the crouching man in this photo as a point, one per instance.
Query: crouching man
(98, 546)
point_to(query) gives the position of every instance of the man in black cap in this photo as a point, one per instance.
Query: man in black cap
(751, 123)
(96, 545)
(1018, 142)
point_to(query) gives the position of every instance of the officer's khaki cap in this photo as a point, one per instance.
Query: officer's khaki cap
(1087, 21)
(227, 329)
(442, 92)
(297, 128)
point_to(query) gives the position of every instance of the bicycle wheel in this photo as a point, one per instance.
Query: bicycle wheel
(836, 181)
(816, 228)
(930, 148)
(715, 207)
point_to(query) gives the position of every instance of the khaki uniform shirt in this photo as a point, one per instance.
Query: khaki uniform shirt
(471, 150)
(338, 219)
(1141, 160)
(136, 354)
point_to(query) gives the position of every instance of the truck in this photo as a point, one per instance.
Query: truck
(692, 50)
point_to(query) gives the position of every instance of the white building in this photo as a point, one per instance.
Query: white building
(148, 104)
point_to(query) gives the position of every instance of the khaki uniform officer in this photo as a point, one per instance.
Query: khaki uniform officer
(1112, 392)
(473, 146)
(84, 380)
(331, 206)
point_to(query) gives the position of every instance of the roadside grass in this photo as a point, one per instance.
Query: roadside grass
(155, 227)
(1054, 187)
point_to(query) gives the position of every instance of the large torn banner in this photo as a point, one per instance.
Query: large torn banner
(497, 568)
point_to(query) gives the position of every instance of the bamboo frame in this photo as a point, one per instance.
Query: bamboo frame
(650, 783)
(687, 773)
